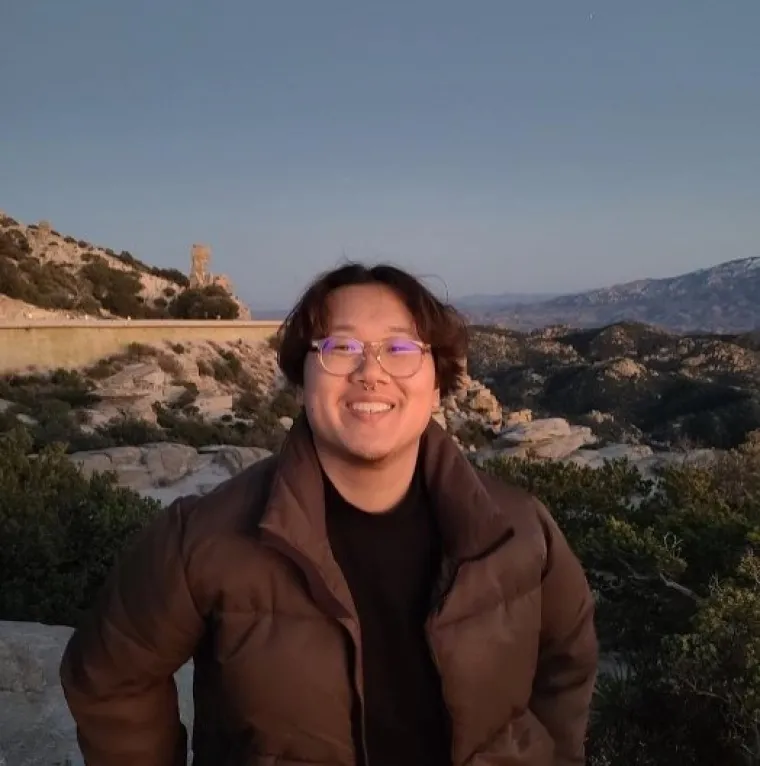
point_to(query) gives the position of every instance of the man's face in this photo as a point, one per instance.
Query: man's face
(337, 405)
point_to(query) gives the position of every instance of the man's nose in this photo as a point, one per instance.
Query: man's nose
(369, 367)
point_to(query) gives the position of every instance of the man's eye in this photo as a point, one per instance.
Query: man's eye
(401, 347)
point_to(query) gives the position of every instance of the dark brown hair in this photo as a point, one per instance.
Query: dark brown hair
(436, 322)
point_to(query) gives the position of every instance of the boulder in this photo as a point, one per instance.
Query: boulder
(167, 470)
(36, 728)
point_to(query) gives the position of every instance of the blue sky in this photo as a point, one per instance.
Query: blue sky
(495, 145)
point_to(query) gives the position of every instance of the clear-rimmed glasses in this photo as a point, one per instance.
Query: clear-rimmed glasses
(399, 357)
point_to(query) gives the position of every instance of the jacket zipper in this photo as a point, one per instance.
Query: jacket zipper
(311, 572)
(360, 695)
(445, 584)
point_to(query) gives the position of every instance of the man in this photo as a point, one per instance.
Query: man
(364, 597)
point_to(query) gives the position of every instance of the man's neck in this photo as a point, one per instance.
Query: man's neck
(374, 487)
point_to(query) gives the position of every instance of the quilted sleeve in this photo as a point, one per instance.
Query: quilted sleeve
(568, 654)
(117, 669)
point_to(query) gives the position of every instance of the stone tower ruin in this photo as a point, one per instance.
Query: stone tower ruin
(200, 276)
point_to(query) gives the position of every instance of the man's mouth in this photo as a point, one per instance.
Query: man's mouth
(370, 408)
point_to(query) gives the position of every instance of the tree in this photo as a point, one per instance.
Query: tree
(210, 302)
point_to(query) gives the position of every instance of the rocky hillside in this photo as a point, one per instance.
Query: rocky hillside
(629, 382)
(44, 274)
(722, 299)
(177, 419)
(158, 415)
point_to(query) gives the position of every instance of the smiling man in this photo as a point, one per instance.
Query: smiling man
(366, 596)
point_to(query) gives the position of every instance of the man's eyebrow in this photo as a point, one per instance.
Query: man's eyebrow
(404, 329)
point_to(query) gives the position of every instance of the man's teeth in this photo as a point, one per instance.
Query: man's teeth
(370, 406)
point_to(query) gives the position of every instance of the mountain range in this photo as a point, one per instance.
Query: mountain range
(720, 299)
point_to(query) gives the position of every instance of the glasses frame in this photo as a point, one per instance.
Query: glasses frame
(375, 345)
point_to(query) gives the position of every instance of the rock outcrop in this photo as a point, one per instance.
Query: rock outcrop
(167, 470)
(630, 383)
(36, 728)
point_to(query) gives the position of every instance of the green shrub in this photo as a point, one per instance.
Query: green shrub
(212, 302)
(172, 275)
(61, 385)
(673, 564)
(130, 431)
(186, 398)
(117, 291)
(285, 404)
(248, 403)
(205, 369)
(229, 369)
(472, 434)
(60, 533)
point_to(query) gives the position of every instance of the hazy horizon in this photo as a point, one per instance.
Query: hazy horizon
(549, 147)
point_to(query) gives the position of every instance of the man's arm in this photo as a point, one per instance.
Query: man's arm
(568, 655)
(117, 669)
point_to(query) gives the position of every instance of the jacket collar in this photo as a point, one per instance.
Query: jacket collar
(469, 519)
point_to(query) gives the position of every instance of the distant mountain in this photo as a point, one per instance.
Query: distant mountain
(480, 300)
(723, 299)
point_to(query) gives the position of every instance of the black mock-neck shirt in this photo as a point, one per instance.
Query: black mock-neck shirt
(390, 561)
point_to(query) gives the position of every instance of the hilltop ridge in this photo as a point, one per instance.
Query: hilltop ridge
(45, 274)
(719, 299)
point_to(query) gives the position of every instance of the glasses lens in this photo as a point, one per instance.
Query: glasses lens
(401, 357)
(341, 355)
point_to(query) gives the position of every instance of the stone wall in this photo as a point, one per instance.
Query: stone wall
(70, 344)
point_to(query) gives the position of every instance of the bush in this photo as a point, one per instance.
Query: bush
(117, 291)
(191, 429)
(673, 562)
(472, 434)
(25, 278)
(212, 302)
(171, 275)
(285, 404)
(61, 385)
(60, 533)
(129, 431)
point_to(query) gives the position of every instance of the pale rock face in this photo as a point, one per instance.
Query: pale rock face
(138, 379)
(517, 417)
(626, 368)
(36, 728)
(214, 407)
(551, 448)
(472, 401)
(166, 470)
(535, 431)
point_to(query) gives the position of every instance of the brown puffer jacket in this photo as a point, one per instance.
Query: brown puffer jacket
(243, 581)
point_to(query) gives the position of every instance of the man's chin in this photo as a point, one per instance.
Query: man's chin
(366, 453)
